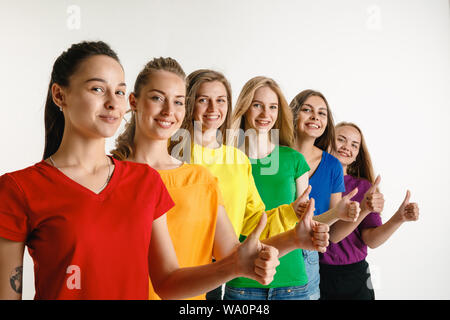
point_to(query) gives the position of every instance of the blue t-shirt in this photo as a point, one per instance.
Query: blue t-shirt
(328, 179)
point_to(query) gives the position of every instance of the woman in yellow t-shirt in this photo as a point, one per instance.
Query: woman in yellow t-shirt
(198, 224)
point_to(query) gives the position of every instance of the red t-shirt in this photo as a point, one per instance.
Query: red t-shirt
(84, 245)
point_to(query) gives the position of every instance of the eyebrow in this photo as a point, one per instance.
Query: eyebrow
(321, 108)
(122, 84)
(163, 93)
(254, 100)
(204, 95)
(340, 135)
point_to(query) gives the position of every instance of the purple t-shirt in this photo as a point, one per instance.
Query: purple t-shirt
(352, 249)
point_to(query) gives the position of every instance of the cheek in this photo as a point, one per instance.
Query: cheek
(199, 110)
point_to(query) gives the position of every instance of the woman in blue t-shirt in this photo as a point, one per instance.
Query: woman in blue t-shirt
(314, 133)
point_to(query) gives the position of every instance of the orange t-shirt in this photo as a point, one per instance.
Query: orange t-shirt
(192, 221)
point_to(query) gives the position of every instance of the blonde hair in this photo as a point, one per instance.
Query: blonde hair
(124, 147)
(284, 121)
(362, 166)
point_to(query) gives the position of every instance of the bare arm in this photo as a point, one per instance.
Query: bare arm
(11, 269)
(172, 282)
(375, 237)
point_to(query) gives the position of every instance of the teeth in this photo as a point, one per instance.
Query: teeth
(164, 123)
(212, 117)
(263, 122)
(313, 126)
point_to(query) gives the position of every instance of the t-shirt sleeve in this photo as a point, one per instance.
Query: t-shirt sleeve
(163, 201)
(301, 166)
(13, 210)
(372, 220)
(338, 177)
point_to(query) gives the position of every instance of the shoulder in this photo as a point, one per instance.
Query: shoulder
(32, 173)
(289, 152)
(237, 154)
(362, 184)
(332, 162)
(137, 172)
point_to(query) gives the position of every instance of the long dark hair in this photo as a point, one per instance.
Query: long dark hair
(64, 67)
(326, 141)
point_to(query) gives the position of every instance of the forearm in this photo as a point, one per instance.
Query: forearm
(284, 242)
(342, 229)
(375, 237)
(329, 217)
(190, 282)
(11, 269)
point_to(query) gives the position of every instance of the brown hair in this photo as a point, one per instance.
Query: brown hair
(284, 119)
(193, 83)
(124, 147)
(326, 141)
(362, 166)
(63, 68)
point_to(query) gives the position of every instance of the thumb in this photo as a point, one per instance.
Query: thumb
(351, 194)
(305, 196)
(309, 212)
(408, 195)
(256, 233)
(374, 187)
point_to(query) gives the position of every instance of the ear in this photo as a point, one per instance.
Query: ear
(133, 101)
(58, 95)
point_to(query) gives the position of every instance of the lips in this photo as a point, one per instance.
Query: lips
(312, 125)
(211, 117)
(263, 122)
(344, 154)
(108, 118)
(164, 123)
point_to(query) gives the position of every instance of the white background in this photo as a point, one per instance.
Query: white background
(383, 64)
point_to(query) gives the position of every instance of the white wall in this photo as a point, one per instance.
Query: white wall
(383, 64)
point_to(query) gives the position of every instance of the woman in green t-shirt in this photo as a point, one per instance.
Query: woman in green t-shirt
(280, 175)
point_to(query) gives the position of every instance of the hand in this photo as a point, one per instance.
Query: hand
(373, 200)
(301, 203)
(310, 234)
(346, 209)
(256, 260)
(407, 211)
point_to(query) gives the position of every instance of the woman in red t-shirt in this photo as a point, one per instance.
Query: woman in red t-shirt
(86, 218)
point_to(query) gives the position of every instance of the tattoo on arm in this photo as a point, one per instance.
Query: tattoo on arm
(16, 279)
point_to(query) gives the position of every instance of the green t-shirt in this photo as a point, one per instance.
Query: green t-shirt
(275, 177)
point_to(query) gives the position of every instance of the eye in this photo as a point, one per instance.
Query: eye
(221, 100)
(274, 107)
(257, 105)
(98, 89)
(157, 98)
(305, 109)
(340, 139)
(324, 114)
(202, 100)
(120, 92)
(179, 103)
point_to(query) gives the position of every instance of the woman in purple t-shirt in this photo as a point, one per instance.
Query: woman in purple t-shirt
(344, 272)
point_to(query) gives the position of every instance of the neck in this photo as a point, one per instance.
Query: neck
(153, 152)
(206, 138)
(78, 150)
(259, 145)
(305, 145)
(344, 167)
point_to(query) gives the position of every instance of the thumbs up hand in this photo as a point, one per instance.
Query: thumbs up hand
(373, 200)
(301, 203)
(310, 234)
(256, 260)
(346, 209)
(407, 211)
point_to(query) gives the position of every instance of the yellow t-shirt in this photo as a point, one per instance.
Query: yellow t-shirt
(192, 221)
(243, 203)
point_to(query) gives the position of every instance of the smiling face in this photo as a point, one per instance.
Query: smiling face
(211, 105)
(312, 119)
(348, 142)
(160, 107)
(263, 111)
(94, 102)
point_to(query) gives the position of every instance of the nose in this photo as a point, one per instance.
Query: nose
(212, 105)
(112, 101)
(168, 108)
